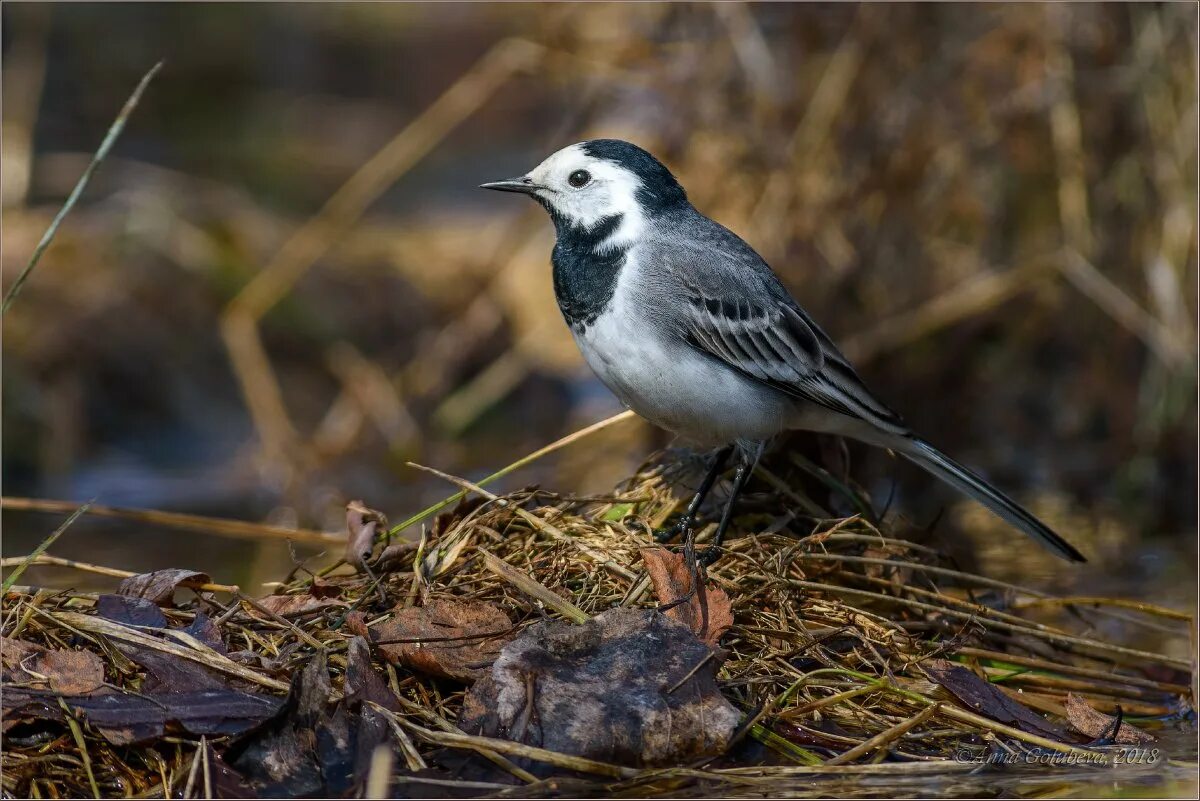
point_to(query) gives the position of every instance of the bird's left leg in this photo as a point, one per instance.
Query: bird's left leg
(745, 467)
(684, 524)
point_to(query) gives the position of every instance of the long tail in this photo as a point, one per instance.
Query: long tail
(962, 479)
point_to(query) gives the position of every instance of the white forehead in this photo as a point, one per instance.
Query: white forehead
(574, 157)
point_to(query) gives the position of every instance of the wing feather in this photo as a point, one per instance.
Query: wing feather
(777, 344)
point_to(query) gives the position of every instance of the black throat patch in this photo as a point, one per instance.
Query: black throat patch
(584, 279)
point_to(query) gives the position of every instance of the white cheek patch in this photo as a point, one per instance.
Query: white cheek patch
(612, 192)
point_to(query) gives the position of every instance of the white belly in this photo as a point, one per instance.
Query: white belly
(675, 386)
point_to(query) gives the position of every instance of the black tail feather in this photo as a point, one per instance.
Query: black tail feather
(967, 482)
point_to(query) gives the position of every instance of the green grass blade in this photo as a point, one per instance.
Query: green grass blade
(110, 138)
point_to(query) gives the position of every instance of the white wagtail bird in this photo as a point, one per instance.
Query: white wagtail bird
(691, 329)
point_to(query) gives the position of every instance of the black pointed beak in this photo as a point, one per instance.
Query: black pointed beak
(523, 185)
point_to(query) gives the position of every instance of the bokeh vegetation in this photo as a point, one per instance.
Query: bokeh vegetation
(282, 285)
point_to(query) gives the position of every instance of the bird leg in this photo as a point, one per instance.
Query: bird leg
(684, 524)
(713, 551)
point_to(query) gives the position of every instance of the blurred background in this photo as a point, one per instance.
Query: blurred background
(282, 284)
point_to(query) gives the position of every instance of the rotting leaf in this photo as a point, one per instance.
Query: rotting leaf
(448, 520)
(307, 750)
(363, 682)
(277, 756)
(673, 581)
(131, 611)
(452, 639)
(1095, 724)
(56, 669)
(206, 631)
(629, 686)
(362, 526)
(125, 718)
(160, 585)
(295, 605)
(320, 588)
(167, 673)
(395, 554)
(988, 699)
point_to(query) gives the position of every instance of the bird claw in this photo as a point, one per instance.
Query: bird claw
(711, 554)
(677, 529)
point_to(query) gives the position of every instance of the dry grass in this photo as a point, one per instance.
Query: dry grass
(834, 620)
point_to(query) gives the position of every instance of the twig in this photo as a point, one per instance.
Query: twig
(278, 618)
(554, 758)
(533, 588)
(882, 739)
(1063, 639)
(1124, 603)
(446, 726)
(110, 138)
(240, 529)
(58, 561)
(1043, 664)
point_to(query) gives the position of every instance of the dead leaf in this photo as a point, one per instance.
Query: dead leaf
(204, 630)
(395, 554)
(1092, 723)
(363, 682)
(320, 588)
(62, 671)
(295, 605)
(277, 756)
(131, 611)
(362, 525)
(305, 749)
(127, 718)
(446, 521)
(160, 585)
(987, 699)
(167, 673)
(629, 686)
(453, 639)
(356, 623)
(672, 581)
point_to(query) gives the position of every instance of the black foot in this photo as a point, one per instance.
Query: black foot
(711, 554)
(677, 529)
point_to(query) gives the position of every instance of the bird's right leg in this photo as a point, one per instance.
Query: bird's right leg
(684, 524)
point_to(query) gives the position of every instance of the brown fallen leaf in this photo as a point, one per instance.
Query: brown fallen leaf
(205, 630)
(672, 581)
(363, 682)
(987, 699)
(1092, 723)
(131, 611)
(453, 639)
(362, 526)
(128, 718)
(294, 605)
(629, 687)
(160, 585)
(320, 588)
(56, 669)
(307, 749)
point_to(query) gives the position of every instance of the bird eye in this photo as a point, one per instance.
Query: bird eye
(579, 178)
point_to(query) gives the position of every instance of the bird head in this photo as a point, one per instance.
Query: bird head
(596, 181)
